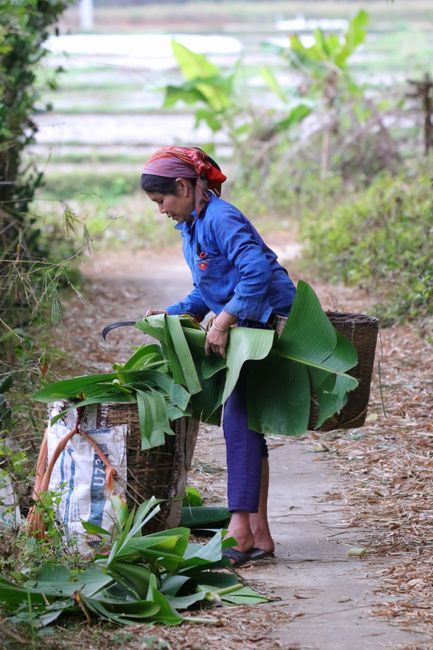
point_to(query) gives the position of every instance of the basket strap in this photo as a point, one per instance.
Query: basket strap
(111, 472)
(34, 520)
(35, 523)
(41, 464)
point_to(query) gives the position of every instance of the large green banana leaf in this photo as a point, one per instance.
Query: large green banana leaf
(153, 416)
(310, 338)
(207, 405)
(308, 352)
(182, 352)
(245, 344)
(331, 391)
(204, 516)
(279, 371)
(278, 396)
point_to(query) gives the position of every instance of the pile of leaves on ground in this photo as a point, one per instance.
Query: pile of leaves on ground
(138, 578)
(177, 378)
(380, 238)
(388, 479)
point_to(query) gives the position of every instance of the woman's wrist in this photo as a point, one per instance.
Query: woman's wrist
(220, 329)
(224, 321)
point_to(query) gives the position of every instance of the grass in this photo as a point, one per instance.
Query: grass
(94, 158)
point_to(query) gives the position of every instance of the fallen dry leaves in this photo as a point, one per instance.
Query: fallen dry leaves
(388, 479)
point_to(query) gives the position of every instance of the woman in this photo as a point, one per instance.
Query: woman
(236, 276)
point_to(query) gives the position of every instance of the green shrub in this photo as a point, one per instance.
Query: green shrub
(382, 238)
(110, 186)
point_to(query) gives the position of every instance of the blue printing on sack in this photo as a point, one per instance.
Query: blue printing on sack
(97, 485)
(97, 488)
(71, 481)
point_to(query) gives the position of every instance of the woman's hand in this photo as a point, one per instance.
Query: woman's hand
(217, 337)
(216, 341)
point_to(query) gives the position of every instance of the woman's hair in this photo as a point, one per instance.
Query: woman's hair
(163, 184)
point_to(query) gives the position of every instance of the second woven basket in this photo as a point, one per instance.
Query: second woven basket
(361, 330)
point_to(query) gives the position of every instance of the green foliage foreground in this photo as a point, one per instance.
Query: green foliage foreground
(139, 579)
(380, 238)
(177, 378)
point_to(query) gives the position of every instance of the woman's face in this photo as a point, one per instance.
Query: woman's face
(176, 206)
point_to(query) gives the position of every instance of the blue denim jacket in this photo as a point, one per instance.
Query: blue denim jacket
(232, 268)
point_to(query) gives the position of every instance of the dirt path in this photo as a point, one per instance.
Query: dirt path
(325, 597)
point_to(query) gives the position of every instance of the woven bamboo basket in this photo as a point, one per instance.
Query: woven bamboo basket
(160, 472)
(361, 330)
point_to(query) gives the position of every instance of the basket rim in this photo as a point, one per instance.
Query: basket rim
(353, 316)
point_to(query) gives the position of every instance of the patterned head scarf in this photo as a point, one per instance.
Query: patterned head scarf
(181, 162)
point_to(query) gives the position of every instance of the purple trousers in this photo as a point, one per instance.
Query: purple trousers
(245, 450)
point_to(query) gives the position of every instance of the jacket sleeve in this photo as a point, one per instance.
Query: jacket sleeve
(236, 241)
(192, 304)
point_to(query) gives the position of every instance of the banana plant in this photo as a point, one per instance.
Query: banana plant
(219, 100)
(326, 60)
(324, 69)
(205, 85)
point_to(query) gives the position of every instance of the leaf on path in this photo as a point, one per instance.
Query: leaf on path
(356, 551)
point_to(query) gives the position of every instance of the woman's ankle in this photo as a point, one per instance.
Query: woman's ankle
(259, 527)
(239, 528)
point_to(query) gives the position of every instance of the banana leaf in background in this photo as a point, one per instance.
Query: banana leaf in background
(201, 518)
(204, 516)
(176, 378)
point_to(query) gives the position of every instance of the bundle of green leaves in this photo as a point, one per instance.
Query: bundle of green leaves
(141, 579)
(176, 378)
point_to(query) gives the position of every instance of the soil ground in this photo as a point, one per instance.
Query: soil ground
(324, 597)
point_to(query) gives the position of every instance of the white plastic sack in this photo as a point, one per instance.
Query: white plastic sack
(10, 515)
(79, 474)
